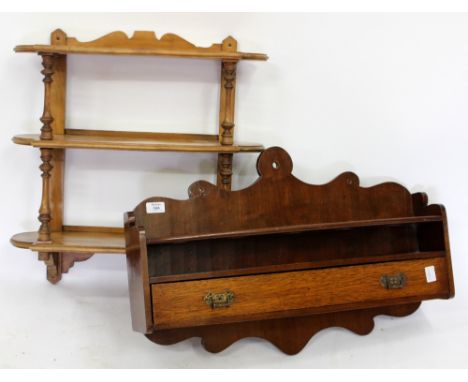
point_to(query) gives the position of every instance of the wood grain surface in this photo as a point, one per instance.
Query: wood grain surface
(286, 294)
(141, 43)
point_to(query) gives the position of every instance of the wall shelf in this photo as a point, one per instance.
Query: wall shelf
(59, 246)
(294, 258)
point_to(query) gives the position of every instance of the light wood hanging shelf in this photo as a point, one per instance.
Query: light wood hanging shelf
(58, 245)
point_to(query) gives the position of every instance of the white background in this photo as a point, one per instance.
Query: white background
(383, 95)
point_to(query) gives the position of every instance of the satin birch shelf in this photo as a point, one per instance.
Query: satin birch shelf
(59, 246)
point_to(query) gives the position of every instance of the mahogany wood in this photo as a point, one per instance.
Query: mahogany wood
(186, 274)
(137, 266)
(290, 335)
(287, 294)
(288, 249)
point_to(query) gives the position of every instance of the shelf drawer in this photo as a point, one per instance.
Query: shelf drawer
(246, 298)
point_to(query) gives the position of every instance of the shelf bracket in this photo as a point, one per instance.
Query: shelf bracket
(226, 116)
(58, 263)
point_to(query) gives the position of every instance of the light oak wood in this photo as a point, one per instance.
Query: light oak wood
(44, 210)
(141, 43)
(75, 239)
(58, 245)
(294, 293)
(56, 192)
(135, 143)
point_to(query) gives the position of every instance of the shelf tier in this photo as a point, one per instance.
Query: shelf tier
(83, 239)
(63, 49)
(135, 141)
(291, 229)
(296, 266)
(75, 239)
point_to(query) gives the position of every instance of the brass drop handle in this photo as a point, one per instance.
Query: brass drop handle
(395, 281)
(219, 300)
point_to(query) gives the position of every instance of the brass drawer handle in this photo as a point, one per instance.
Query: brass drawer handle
(395, 281)
(219, 300)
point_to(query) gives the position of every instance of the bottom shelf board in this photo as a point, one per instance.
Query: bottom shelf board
(75, 239)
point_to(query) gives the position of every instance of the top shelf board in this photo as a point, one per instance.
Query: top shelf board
(141, 43)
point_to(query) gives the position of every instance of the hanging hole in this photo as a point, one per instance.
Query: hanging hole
(275, 165)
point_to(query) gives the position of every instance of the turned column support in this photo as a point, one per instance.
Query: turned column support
(44, 209)
(228, 70)
(47, 119)
(226, 115)
(225, 171)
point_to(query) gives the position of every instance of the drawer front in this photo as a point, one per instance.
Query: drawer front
(246, 298)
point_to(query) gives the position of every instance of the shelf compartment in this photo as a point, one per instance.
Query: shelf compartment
(277, 252)
(135, 141)
(142, 43)
(276, 268)
(77, 239)
(291, 229)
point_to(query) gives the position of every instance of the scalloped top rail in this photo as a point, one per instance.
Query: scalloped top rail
(143, 43)
(278, 202)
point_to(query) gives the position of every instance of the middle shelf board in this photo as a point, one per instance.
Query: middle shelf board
(135, 141)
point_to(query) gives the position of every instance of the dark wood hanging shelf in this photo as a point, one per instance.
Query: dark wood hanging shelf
(292, 258)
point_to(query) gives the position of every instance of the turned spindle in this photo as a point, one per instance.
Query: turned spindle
(225, 171)
(44, 210)
(47, 119)
(227, 124)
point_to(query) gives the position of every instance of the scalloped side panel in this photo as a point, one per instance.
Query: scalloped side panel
(290, 335)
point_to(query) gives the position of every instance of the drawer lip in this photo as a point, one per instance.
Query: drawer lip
(292, 267)
(179, 304)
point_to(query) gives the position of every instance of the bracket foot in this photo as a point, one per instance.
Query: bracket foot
(58, 263)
